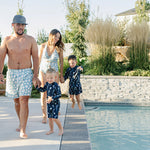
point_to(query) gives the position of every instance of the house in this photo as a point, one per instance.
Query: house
(128, 15)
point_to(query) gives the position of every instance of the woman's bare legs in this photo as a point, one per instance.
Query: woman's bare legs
(43, 97)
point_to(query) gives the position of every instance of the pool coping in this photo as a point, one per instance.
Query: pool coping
(76, 133)
(100, 103)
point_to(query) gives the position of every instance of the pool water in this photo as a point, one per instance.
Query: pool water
(119, 127)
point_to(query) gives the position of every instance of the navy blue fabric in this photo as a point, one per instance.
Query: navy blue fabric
(73, 74)
(53, 90)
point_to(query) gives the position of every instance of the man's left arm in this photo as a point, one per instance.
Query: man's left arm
(35, 59)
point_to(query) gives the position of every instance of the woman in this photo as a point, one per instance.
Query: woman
(50, 52)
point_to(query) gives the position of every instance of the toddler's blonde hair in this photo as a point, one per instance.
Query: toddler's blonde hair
(50, 70)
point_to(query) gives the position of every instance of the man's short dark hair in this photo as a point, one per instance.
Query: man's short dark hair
(73, 57)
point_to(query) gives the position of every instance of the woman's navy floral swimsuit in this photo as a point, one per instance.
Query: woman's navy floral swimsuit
(74, 84)
(53, 90)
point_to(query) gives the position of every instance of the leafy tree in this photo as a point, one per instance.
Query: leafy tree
(65, 35)
(20, 8)
(78, 20)
(21, 11)
(141, 7)
(42, 37)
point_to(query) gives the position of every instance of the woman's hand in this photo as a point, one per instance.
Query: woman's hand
(62, 79)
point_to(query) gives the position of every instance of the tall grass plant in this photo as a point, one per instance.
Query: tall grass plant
(138, 34)
(101, 36)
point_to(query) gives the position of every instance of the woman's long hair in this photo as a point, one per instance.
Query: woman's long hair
(59, 44)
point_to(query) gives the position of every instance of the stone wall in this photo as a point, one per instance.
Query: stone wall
(116, 89)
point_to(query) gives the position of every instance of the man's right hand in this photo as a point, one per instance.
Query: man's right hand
(1, 78)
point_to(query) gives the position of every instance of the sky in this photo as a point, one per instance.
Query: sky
(50, 14)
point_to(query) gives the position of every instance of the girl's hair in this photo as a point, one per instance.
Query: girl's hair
(59, 44)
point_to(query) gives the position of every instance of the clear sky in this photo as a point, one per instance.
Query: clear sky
(49, 14)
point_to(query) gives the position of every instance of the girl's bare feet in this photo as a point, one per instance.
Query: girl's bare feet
(23, 135)
(49, 132)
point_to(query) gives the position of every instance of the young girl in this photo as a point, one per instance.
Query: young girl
(73, 73)
(53, 103)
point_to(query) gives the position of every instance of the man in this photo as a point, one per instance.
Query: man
(20, 48)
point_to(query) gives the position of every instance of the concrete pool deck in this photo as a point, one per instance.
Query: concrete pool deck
(75, 128)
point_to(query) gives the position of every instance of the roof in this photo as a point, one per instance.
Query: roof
(129, 12)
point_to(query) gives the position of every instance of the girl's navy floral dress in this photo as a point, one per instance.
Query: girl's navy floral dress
(73, 74)
(53, 90)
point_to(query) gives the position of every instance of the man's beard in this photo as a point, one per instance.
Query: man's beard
(20, 33)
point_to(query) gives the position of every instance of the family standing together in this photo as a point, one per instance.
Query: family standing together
(22, 53)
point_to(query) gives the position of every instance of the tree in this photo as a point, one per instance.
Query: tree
(20, 11)
(141, 7)
(65, 35)
(42, 37)
(20, 7)
(78, 20)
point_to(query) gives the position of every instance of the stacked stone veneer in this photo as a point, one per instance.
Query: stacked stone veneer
(120, 89)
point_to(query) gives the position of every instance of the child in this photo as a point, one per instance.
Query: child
(73, 73)
(53, 103)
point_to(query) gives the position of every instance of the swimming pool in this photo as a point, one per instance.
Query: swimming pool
(119, 127)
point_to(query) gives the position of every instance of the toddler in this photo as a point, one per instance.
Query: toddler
(53, 103)
(73, 73)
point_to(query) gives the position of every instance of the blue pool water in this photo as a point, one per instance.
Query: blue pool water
(119, 127)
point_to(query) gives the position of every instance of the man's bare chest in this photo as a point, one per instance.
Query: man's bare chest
(19, 47)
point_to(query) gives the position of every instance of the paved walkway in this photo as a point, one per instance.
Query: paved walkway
(9, 138)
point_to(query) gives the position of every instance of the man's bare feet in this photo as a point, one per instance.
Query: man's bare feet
(23, 135)
(49, 132)
(79, 105)
(60, 132)
(73, 104)
(44, 120)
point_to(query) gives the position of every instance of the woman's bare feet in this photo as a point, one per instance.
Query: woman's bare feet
(18, 129)
(44, 120)
(60, 132)
(23, 135)
(49, 132)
